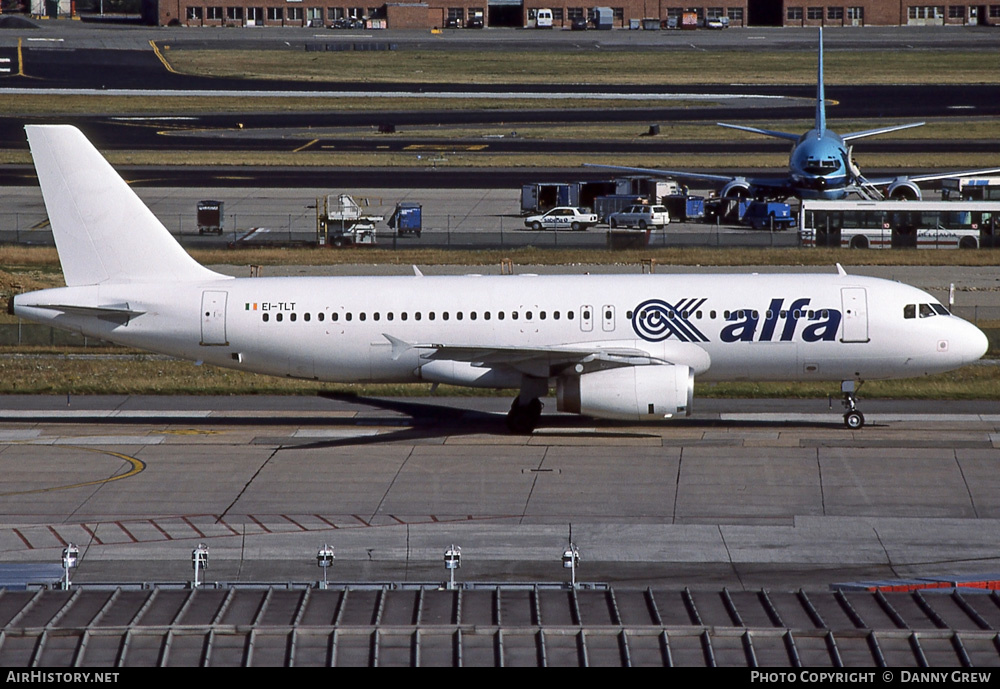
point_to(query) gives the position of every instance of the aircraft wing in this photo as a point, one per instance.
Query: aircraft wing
(932, 176)
(950, 175)
(780, 183)
(539, 360)
(663, 173)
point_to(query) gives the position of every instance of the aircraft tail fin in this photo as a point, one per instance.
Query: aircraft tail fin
(102, 229)
(820, 91)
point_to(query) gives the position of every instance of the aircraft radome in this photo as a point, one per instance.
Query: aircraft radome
(613, 346)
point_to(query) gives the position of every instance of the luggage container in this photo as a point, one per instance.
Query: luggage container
(684, 208)
(210, 215)
(539, 197)
(407, 219)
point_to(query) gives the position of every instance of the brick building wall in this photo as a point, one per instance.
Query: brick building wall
(439, 13)
(887, 13)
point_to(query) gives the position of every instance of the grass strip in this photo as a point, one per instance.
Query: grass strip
(139, 374)
(597, 67)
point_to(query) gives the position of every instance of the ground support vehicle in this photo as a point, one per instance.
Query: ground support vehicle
(562, 218)
(340, 221)
(640, 216)
(407, 219)
(764, 215)
(685, 207)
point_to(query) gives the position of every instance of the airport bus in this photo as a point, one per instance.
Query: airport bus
(971, 189)
(899, 224)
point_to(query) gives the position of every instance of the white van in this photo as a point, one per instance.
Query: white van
(543, 19)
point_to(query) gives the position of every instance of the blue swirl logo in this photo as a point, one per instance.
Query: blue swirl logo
(654, 320)
(650, 320)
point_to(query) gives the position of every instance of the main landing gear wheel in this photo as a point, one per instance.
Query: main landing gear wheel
(522, 419)
(854, 420)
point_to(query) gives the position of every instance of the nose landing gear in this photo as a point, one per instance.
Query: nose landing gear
(853, 418)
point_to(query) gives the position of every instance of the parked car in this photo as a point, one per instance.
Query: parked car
(578, 24)
(562, 218)
(640, 216)
(717, 23)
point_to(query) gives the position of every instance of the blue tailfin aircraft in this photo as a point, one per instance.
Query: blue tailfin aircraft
(820, 165)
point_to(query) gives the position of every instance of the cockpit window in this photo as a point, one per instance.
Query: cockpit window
(821, 167)
(925, 310)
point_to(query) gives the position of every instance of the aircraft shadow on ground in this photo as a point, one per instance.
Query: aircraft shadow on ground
(427, 421)
(430, 420)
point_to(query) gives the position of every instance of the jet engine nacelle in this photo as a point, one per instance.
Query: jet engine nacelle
(738, 188)
(903, 191)
(629, 393)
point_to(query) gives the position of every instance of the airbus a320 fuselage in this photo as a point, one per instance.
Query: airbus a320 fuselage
(616, 347)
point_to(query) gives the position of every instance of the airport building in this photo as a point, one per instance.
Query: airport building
(624, 14)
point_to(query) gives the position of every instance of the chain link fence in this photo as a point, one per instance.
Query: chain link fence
(455, 231)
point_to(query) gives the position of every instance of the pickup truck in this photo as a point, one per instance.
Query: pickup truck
(640, 216)
(562, 218)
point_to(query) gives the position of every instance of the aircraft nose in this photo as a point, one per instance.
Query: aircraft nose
(971, 343)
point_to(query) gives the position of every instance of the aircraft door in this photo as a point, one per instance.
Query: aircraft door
(855, 307)
(586, 318)
(213, 318)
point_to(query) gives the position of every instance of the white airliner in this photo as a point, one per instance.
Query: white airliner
(614, 347)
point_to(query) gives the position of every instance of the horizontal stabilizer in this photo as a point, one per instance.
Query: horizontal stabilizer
(90, 310)
(880, 130)
(766, 132)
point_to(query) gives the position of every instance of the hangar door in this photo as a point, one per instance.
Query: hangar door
(765, 13)
(508, 13)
